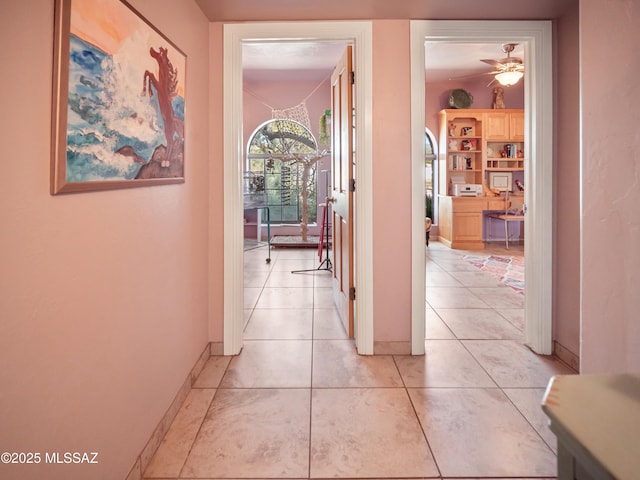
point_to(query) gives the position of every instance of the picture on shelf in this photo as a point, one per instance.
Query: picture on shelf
(469, 144)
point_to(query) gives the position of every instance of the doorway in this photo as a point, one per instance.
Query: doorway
(536, 39)
(235, 35)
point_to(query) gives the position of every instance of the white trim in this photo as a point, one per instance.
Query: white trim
(233, 234)
(358, 33)
(536, 38)
(418, 254)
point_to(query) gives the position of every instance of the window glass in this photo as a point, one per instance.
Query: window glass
(276, 154)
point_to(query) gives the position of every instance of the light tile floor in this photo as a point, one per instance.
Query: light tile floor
(299, 403)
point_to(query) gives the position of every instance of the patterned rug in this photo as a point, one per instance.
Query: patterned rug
(509, 270)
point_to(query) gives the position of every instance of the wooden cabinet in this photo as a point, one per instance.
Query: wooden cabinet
(473, 143)
(461, 151)
(504, 141)
(505, 125)
(461, 221)
(516, 125)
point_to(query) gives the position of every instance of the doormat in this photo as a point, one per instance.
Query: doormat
(509, 270)
(294, 241)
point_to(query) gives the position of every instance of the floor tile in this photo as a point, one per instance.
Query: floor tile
(291, 264)
(172, 452)
(270, 364)
(246, 315)
(280, 324)
(253, 433)
(323, 297)
(529, 402)
(296, 253)
(476, 279)
(490, 436)
(432, 267)
(256, 279)
(435, 328)
(499, 297)
(513, 365)
(367, 433)
(452, 297)
(323, 278)
(454, 265)
(255, 261)
(279, 278)
(299, 402)
(441, 279)
(251, 295)
(336, 364)
(327, 324)
(446, 363)
(286, 298)
(515, 316)
(479, 323)
(212, 372)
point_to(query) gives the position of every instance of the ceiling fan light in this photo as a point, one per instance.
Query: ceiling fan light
(509, 78)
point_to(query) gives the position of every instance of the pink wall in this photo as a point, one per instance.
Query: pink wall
(391, 181)
(566, 302)
(216, 182)
(103, 307)
(610, 254)
(437, 97)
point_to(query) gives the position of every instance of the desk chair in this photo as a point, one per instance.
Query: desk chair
(510, 214)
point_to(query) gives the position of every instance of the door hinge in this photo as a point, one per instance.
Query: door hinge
(352, 185)
(352, 77)
(352, 293)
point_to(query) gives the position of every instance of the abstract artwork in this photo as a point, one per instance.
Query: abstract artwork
(119, 100)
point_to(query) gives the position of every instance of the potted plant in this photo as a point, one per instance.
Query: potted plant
(324, 137)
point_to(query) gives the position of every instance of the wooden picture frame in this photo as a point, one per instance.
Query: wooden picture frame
(119, 100)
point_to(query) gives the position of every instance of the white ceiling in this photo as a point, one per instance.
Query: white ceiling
(278, 61)
(315, 61)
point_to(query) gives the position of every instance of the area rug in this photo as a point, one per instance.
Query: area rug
(509, 270)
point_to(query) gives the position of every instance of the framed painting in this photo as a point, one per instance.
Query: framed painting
(118, 100)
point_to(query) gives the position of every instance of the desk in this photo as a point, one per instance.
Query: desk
(461, 219)
(506, 218)
(596, 419)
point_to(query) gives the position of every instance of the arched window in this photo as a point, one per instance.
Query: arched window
(274, 155)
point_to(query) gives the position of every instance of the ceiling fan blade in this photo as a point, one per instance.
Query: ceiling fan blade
(473, 75)
(493, 63)
(493, 80)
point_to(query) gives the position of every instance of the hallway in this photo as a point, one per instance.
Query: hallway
(298, 402)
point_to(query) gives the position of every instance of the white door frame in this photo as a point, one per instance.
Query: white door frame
(535, 36)
(358, 33)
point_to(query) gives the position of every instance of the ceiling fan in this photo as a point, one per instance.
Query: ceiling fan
(509, 70)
